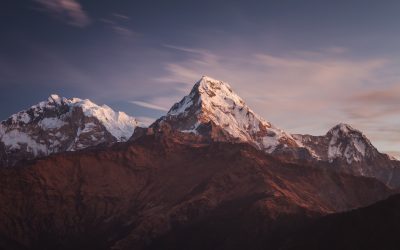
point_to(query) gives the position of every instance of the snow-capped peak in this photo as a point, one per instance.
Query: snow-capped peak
(211, 100)
(344, 128)
(348, 143)
(61, 124)
(119, 124)
(209, 94)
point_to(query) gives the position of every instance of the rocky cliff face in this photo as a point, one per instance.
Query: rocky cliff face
(59, 125)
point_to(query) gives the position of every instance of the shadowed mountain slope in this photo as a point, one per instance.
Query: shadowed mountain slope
(134, 195)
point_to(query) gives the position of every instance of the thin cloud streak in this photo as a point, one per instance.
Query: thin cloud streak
(149, 105)
(69, 11)
(121, 16)
(122, 31)
(373, 104)
(118, 24)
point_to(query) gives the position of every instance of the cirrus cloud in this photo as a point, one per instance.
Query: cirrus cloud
(149, 105)
(70, 11)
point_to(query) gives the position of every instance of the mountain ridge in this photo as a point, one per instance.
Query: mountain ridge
(214, 110)
(139, 194)
(198, 178)
(61, 124)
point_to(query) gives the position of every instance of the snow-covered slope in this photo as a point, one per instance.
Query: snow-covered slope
(341, 143)
(347, 149)
(349, 144)
(213, 103)
(119, 124)
(61, 124)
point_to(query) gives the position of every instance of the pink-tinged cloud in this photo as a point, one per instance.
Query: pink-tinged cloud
(389, 96)
(69, 11)
(375, 103)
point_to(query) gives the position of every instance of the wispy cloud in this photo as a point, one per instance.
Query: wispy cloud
(180, 72)
(118, 24)
(149, 105)
(122, 31)
(375, 103)
(107, 21)
(121, 16)
(70, 11)
(201, 52)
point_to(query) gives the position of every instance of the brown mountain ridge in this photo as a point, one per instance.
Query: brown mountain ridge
(140, 194)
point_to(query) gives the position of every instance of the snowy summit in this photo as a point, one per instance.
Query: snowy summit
(348, 143)
(60, 124)
(214, 101)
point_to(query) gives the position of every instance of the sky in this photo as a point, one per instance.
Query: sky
(304, 65)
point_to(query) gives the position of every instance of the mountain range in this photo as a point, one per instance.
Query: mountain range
(210, 174)
(59, 125)
(213, 110)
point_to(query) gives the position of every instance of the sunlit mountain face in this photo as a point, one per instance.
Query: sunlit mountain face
(199, 125)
